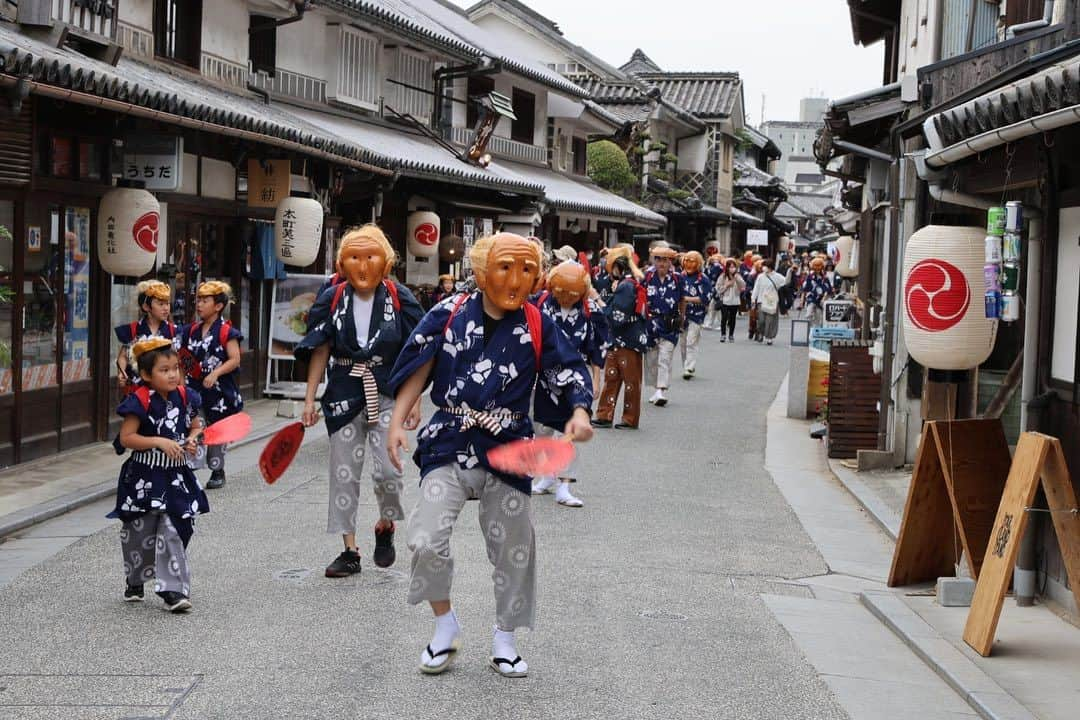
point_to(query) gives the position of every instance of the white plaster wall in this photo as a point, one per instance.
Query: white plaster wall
(526, 43)
(225, 30)
(505, 84)
(919, 29)
(302, 46)
(139, 13)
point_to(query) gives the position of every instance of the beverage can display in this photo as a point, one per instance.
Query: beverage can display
(995, 221)
(993, 249)
(992, 277)
(1014, 216)
(1010, 307)
(1011, 281)
(993, 305)
(1010, 247)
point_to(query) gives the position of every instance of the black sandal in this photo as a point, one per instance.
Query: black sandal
(441, 667)
(496, 664)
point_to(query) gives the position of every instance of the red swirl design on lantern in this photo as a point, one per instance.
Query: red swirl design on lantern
(426, 234)
(145, 231)
(936, 295)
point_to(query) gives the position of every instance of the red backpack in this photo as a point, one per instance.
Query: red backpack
(390, 286)
(223, 333)
(135, 330)
(143, 393)
(533, 319)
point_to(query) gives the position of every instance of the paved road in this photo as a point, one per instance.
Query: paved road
(650, 600)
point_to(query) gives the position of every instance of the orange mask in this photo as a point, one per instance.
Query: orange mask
(692, 263)
(363, 263)
(568, 283)
(512, 272)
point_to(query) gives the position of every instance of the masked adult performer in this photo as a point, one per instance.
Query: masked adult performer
(627, 314)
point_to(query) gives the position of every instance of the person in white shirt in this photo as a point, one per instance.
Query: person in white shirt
(766, 298)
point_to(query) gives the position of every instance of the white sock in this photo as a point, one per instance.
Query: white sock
(503, 645)
(446, 631)
(543, 483)
(563, 492)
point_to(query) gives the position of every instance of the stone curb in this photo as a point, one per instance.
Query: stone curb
(28, 517)
(978, 689)
(882, 514)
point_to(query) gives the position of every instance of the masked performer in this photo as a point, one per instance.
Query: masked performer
(369, 317)
(483, 353)
(698, 291)
(714, 268)
(567, 302)
(665, 292)
(627, 315)
(210, 354)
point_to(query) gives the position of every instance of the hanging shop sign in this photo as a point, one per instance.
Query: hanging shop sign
(423, 229)
(846, 258)
(128, 221)
(269, 182)
(757, 237)
(944, 325)
(156, 161)
(298, 225)
(493, 107)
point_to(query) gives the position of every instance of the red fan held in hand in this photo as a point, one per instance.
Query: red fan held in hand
(227, 430)
(533, 458)
(280, 451)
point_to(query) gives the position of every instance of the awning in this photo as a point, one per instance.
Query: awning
(1045, 101)
(740, 217)
(858, 123)
(415, 155)
(134, 88)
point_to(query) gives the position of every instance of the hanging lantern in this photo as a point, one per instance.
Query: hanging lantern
(945, 327)
(298, 225)
(847, 258)
(451, 248)
(712, 248)
(128, 231)
(423, 230)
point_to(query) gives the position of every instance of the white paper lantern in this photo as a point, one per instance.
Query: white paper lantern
(945, 326)
(298, 225)
(128, 231)
(712, 248)
(847, 258)
(424, 228)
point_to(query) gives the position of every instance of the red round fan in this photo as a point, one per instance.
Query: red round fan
(227, 430)
(280, 451)
(532, 458)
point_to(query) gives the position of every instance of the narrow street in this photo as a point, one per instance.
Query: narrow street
(650, 596)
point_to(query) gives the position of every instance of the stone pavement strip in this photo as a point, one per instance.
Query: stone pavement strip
(650, 596)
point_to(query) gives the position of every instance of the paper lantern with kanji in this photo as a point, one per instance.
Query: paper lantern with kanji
(847, 258)
(712, 248)
(128, 231)
(945, 326)
(423, 230)
(298, 225)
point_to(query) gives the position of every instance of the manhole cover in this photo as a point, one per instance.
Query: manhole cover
(293, 575)
(663, 615)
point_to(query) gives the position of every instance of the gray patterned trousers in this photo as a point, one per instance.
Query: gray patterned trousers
(506, 521)
(347, 449)
(153, 550)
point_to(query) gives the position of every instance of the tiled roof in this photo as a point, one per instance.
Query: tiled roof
(788, 210)
(640, 62)
(709, 95)
(752, 177)
(741, 217)
(621, 96)
(175, 98)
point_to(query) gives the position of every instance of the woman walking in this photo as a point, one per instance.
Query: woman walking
(729, 289)
(766, 298)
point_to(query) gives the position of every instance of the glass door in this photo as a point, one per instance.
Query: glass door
(77, 394)
(8, 232)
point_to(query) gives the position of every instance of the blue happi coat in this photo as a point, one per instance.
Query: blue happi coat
(714, 271)
(629, 326)
(602, 284)
(224, 398)
(588, 333)
(142, 331)
(664, 298)
(817, 288)
(343, 398)
(496, 374)
(697, 285)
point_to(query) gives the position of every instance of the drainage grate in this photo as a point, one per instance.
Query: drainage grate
(662, 615)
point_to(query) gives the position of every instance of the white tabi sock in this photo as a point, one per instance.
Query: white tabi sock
(504, 646)
(542, 484)
(446, 631)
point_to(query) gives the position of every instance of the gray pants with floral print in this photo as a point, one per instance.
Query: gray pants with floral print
(348, 446)
(153, 550)
(506, 521)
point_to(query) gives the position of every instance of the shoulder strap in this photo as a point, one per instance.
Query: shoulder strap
(223, 334)
(457, 306)
(586, 308)
(193, 328)
(339, 290)
(535, 321)
(542, 299)
(143, 393)
(391, 288)
(183, 394)
(134, 331)
(172, 330)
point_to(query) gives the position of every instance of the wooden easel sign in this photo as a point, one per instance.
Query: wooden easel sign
(1038, 459)
(955, 490)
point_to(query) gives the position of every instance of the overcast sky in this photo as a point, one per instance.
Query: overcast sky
(786, 49)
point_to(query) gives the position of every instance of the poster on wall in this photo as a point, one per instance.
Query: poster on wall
(757, 237)
(77, 294)
(33, 238)
(293, 298)
(468, 237)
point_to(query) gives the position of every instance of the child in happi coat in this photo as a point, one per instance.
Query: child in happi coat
(665, 292)
(567, 303)
(698, 290)
(483, 353)
(157, 495)
(155, 305)
(210, 353)
(627, 314)
(368, 319)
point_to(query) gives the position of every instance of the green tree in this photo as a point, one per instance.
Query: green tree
(608, 166)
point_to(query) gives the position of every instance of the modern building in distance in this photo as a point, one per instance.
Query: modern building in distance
(795, 138)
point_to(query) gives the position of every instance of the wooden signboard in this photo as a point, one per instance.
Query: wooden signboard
(269, 182)
(1038, 459)
(956, 487)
